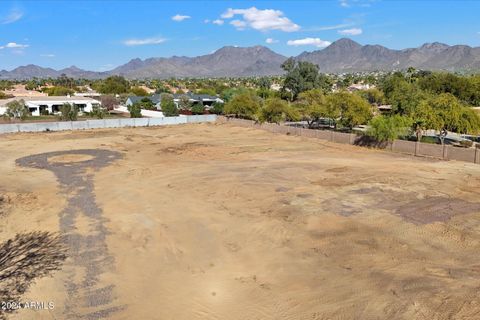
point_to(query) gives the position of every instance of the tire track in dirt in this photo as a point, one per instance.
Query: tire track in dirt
(83, 225)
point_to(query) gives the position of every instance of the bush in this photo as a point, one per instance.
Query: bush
(168, 105)
(385, 128)
(244, 105)
(16, 109)
(198, 108)
(275, 110)
(58, 91)
(68, 112)
(217, 108)
(98, 111)
(135, 110)
(138, 91)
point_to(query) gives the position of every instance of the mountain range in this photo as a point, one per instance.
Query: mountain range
(344, 55)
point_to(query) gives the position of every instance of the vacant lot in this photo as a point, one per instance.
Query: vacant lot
(221, 222)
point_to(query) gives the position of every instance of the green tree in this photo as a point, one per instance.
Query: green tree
(353, 110)
(68, 112)
(373, 96)
(113, 85)
(300, 76)
(311, 107)
(217, 108)
(168, 106)
(145, 103)
(244, 105)
(16, 109)
(198, 108)
(389, 128)
(135, 110)
(276, 110)
(98, 111)
(58, 91)
(138, 91)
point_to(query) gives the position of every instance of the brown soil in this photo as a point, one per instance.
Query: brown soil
(219, 222)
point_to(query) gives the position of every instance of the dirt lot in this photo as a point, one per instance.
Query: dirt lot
(212, 221)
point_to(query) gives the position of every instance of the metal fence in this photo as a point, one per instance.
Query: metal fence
(444, 152)
(103, 123)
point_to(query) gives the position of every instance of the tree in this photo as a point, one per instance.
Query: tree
(184, 102)
(454, 116)
(135, 110)
(16, 109)
(113, 85)
(217, 108)
(264, 84)
(98, 111)
(168, 106)
(138, 91)
(311, 107)
(145, 103)
(301, 76)
(198, 108)
(373, 96)
(353, 110)
(109, 102)
(389, 128)
(68, 112)
(58, 91)
(245, 105)
(276, 110)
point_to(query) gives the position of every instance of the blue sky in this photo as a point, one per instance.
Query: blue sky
(99, 35)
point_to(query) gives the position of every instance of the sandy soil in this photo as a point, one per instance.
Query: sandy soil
(212, 221)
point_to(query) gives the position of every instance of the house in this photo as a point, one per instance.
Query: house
(204, 99)
(359, 86)
(51, 104)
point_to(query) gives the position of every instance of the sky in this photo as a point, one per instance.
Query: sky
(100, 35)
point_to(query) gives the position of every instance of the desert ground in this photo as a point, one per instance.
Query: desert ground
(213, 221)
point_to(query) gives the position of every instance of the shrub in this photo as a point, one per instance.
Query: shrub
(16, 109)
(198, 108)
(168, 105)
(275, 110)
(135, 110)
(244, 105)
(98, 111)
(385, 128)
(68, 112)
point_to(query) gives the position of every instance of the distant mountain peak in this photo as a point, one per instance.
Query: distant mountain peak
(345, 43)
(434, 45)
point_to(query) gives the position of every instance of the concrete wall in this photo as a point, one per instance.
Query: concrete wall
(103, 123)
(408, 147)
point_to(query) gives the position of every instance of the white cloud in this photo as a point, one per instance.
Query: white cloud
(218, 22)
(179, 17)
(351, 32)
(141, 42)
(14, 45)
(47, 55)
(344, 3)
(262, 20)
(239, 24)
(309, 42)
(206, 21)
(326, 28)
(270, 40)
(13, 16)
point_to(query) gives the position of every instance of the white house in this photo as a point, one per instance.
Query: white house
(204, 99)
(40, 105)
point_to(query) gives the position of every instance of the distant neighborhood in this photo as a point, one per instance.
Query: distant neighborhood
(411, 104)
